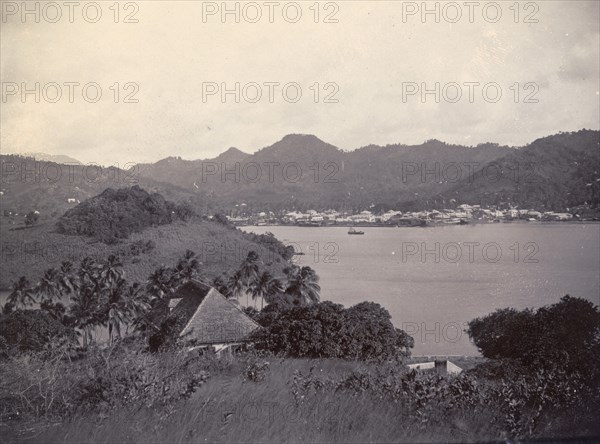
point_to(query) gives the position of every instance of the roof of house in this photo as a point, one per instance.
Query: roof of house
(207, 317)
(444, 365)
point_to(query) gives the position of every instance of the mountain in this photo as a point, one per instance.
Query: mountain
(52, 188)
(231, 155)
(56, 158)
(302, 171)
(551, 173)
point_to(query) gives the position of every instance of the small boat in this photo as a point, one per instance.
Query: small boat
(353, 231)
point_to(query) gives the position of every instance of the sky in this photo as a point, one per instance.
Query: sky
(349, 72)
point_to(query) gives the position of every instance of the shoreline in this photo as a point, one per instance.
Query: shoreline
(434, 224)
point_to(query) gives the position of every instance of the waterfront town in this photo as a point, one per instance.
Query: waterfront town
(463, 214)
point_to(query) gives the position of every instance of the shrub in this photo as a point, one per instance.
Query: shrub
(567, 333)
(327, 330)
(121, 376)
(32, 330)
(256, 370)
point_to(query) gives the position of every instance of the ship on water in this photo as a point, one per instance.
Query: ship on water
(353, 231)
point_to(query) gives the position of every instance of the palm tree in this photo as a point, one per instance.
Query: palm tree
(111, 270)
(87, 272)
(187, 268)
(137, 301)
(220, 285)
(67, 281)
(303, 285)
(249, 271)
(123, 304)
(160, 282)
(48, 288)
(21, 294)
(236, 285)
(85, 307)
(265, 287)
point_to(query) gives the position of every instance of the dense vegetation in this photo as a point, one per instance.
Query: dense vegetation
(565, 334)
(363, 332)
(122, 392)
(52, 187)
(527, 388)
(541, 364)
(551, 173)
(116, 214)
(220, 248)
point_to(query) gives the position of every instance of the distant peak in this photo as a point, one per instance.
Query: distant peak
(233, 150)
(303, 137)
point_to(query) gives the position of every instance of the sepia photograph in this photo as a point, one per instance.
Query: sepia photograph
(312, 221)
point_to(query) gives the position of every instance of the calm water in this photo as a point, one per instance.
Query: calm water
(432, 296)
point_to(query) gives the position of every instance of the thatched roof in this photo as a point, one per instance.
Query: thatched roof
(204, 315)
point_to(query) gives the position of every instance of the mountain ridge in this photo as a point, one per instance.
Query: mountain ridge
(301, 171)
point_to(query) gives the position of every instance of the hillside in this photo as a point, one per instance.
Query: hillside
(220, 249)
(552, 173)
(51, 188)
(143, 229)
(302, 171)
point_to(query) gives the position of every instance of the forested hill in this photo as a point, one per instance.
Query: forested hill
(51, 188)
(552, 173)
(116, 214)
(143, 229)
(302, 172)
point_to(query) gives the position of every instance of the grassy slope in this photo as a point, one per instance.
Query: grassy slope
(227, 409)
(31, 251)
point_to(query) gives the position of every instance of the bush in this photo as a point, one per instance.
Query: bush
(567, 333)
(327, 330)
(121, 376)
(256, 370)
(32, 331)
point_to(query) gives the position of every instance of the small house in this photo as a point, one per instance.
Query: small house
(442, 366)
(204, 318)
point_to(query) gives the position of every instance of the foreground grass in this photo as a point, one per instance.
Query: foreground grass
(228, 408)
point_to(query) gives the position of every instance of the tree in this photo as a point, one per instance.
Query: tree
(160, 282)
(249, 272)
(236, 286)
(123, 304)
(32, 330)
(111, 270)
(67, 279)
(265, 288)
(220, 284)
(48, 288)
(303, 285)
(187, 268)
(31, 218)
(222, 219)
(86, 303)
(327, 330)
(21, 294)
(567, 333)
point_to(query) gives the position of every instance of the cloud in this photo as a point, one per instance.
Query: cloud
(366, 56)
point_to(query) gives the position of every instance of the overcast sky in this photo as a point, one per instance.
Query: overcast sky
(367, 57)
